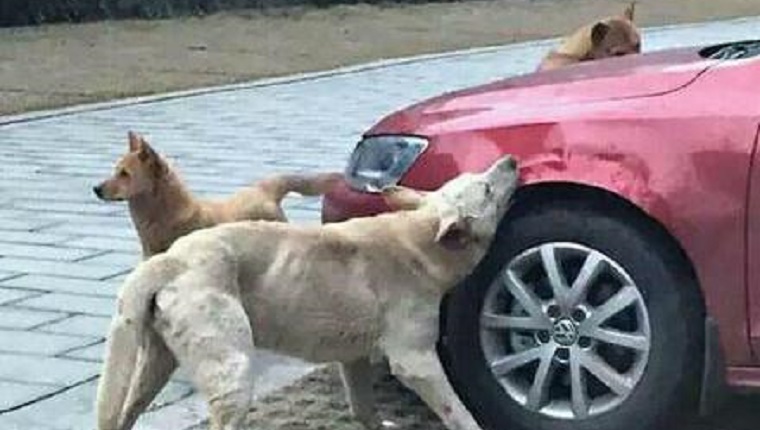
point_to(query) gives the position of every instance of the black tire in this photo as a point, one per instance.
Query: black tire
(668, 389)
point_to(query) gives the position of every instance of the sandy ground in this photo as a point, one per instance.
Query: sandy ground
(317, 402)
(60, 65)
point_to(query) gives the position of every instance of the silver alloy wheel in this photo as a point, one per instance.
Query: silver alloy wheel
(565, 331)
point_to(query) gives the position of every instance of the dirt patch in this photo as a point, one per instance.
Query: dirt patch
(317, 402)
(56, 65)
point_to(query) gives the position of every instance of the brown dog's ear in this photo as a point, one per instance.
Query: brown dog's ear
(135, 141)
(149, 156)
(402, 198)
(146, 151)
(599, 32)
(158, 167)
(630, 11)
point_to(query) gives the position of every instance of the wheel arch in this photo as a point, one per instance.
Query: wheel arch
(596, 197)
(712, 387)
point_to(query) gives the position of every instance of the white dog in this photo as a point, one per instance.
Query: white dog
(334, 293)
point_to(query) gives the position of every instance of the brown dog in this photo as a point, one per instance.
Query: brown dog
(609, 37)
(163, 209)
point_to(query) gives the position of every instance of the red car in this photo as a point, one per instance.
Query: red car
(623, 288)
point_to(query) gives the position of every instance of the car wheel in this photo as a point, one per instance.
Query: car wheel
(580, 317)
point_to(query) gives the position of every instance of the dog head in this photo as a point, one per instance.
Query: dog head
(470, 206)
(609, 37)
(615, 36)
(136, 172)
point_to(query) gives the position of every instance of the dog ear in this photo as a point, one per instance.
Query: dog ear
(454, 231)
(149, 156)
(135, 141)
(599, 32)
(146, 152)
(158, 166)
(402, 198)
(630, 11)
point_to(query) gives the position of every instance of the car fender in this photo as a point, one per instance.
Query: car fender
(688, 176)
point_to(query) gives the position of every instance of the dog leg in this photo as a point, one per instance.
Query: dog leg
(155, 366)
(210, 335)
(357, 381)
(422, 372)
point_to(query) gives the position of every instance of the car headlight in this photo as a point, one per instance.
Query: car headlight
(381, 161)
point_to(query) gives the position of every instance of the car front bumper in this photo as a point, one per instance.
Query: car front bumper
(343, 203)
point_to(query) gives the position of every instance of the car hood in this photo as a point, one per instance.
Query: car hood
(543, 94)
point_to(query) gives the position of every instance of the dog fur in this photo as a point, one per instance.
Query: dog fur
(609, 37)
(163, 209)
(335, 293)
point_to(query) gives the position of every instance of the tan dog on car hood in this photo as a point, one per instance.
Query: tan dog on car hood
(333, 293)
(609, 37)
(163, 209)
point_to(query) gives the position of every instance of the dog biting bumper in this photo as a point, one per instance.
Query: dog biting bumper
(342, 203)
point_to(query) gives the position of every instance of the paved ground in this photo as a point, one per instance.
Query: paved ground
(63, 254)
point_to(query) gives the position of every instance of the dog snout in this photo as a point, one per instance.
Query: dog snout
(98, 190)
(508, 163)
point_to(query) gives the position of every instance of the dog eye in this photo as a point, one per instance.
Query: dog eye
(124, 174)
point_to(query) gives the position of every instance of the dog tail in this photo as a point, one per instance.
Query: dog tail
(133, 317)
(308, 185)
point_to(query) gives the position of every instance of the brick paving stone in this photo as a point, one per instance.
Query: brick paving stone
(93, 352)
(12, 236)
(72, 409)
(98, 306)
(120, 220)
(82, 325)
(44, 370)
(39, 190)
(57, 206)
(23, 319)
(46, 252)
(8, 275)
(25, 224)
(7, 214)
(11, 295)
(14, 393)
(63, 269)
(110, 244)
(119, 280)
(28, 342)
(63, 285)
(40, 195)
(121, 259)
(92, 230)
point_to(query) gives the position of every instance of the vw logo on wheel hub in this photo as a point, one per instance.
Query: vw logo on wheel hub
(564, 332)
